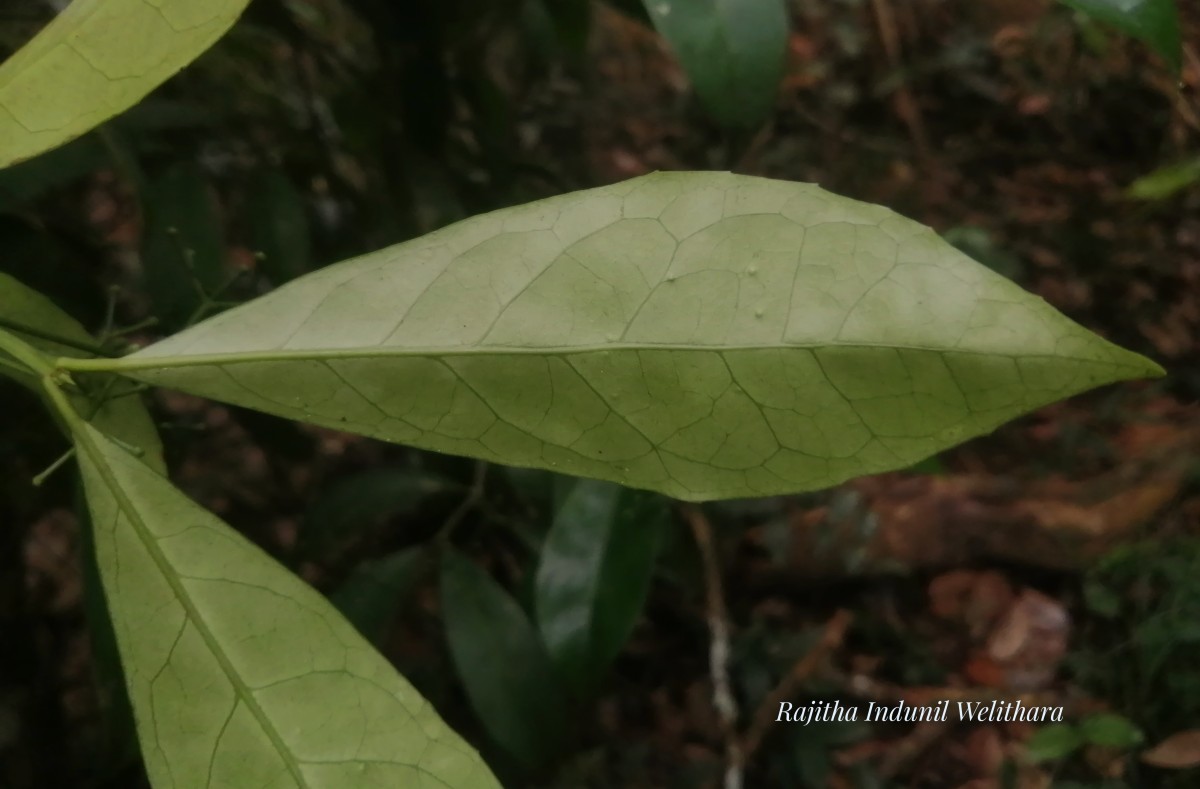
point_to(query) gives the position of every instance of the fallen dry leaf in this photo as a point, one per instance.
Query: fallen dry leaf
(1180, 751)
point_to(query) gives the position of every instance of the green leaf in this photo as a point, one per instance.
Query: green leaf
(38, 321)
(733, 52)
(183, 249)
(1166, 181)
(363, 500)
(240, 674)
(503, 666)
(1155, 22)
(279, 227)
(1110, 730)
(96, 59)
(593, 575)
(705, 335)
(1056, 741)
(108, 401)
(371, 596)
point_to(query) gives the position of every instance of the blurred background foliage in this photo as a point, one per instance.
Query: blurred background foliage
(1054, 560)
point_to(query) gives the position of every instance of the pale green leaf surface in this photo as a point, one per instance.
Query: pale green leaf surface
(96, 59)
(732, 50)
(239, 673)
(705, 335)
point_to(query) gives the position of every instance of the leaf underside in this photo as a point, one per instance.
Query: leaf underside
(704, 335)
(224, 652)
(96, 59)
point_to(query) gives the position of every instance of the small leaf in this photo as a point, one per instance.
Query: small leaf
(279, 227)
(112, 406)
(363, 500)
(183, 246)
(1180, 751)
(733, 52)
(1166, 181)
(1101, 599)
(371, 596)
(705, 335)
(96, 59)
(593, 575)
(1110, 730)
(240, 674)
(22, 306)
(503, 666)
(1155, 22)
(1055, 741)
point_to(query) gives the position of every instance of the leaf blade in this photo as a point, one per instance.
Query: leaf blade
(228, 656)
(1154, 22)
(704, 335)
(503, 665)
(733, 52)
(593, 575)
(85, 63)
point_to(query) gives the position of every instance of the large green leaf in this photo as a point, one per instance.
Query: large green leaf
(96, 59)
(240, 674)
(503, 665)
(733, 52)
(705, 335)
(1156, 22)
(593, 574)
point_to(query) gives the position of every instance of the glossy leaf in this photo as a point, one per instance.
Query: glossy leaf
(239, 673)
(593, 575)
(705, 335)
(96, 59)
(505, 669)
(113, 408)
(371, 597)
(732, 50)
(1155, 22)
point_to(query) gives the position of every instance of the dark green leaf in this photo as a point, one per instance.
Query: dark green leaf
(1155, 22)
(732, 50)
(593, 575)
(363, 500)
(1110, 730)
(279, 227)
(372, 595)
(505, 669)
(1053, 742)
